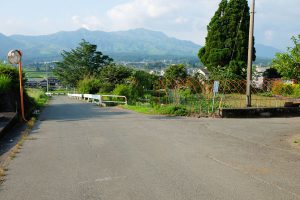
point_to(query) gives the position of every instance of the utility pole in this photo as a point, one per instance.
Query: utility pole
(250, 54)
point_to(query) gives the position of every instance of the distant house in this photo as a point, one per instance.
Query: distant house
(202, 71)
(53, 81)
(40, 82)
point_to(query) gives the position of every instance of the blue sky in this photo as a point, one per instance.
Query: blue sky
(276, 20)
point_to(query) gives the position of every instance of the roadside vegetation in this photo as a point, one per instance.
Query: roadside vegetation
(9, 91)
(39, 97)
(175, 93)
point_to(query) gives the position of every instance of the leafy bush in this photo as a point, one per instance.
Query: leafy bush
(126, 90)
(296, 92)
(280, 88)
(106, 88)
(89, 85)
(5, 83)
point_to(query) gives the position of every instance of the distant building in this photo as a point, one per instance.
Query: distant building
(41, 82)
(258, 76)
(202, 71)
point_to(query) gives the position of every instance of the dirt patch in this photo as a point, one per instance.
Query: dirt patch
(294, 141)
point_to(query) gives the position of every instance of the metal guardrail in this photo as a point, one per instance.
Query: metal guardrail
(100, 99)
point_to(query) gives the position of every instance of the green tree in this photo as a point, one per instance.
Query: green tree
(288, 64)
(142, 81)
(81, 62)
(176, 72)
(226, 48)
(113, 75)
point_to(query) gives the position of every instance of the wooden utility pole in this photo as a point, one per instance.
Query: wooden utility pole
(250, 54)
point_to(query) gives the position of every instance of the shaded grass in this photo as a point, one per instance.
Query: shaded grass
(5, 83)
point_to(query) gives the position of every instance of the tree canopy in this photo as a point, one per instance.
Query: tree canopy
(83, 61)
(288, 64)
(226, 48)
(176, 72)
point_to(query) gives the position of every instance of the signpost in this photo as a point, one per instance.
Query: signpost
(215, 91)
(15, 57)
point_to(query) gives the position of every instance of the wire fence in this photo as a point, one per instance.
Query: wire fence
(199, 97)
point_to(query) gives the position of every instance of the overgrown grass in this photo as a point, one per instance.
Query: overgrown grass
(258, 100)
(172, 110)
(39, 96)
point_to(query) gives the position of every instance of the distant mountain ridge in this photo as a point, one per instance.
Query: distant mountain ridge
(136, 42)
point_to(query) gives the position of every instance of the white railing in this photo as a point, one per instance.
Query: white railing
(100, 99)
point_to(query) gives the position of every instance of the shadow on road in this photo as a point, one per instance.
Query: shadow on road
(11, 138)
(77, 112)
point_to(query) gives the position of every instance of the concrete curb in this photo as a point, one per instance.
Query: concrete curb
(9, 124)
(260, 112)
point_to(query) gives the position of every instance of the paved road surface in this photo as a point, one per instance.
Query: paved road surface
(80, 151)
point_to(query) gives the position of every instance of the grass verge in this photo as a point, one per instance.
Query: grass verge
(39, 97)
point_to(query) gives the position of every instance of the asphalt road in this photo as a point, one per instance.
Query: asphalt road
(80, 151)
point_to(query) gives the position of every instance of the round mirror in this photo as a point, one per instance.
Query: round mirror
(14, 56)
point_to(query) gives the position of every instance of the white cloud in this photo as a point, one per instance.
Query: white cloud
(89, 22)
(136, 13)
(175, 17)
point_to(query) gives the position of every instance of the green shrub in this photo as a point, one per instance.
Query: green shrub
(123, 90)
(126, 90)
(9, 78)
(5, 83)
(177, 110)
(89, 85)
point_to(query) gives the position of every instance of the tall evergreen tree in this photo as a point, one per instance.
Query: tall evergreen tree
(226, 48)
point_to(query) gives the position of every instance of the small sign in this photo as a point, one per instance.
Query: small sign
(216, 86)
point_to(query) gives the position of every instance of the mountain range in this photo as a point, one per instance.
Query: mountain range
(121, 45)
